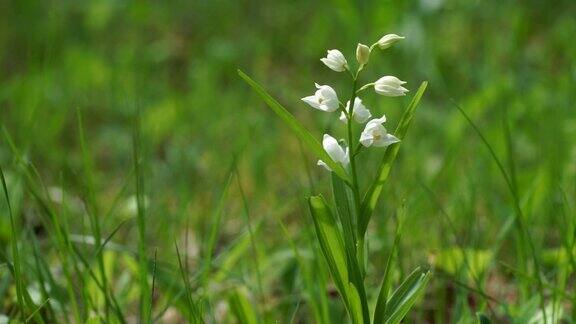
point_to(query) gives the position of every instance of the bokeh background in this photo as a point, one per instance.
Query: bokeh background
(175, 62)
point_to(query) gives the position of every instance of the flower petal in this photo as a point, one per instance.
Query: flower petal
(324, 165)
(312, 101)
(366, 139)
(387, 140)
(333, 149)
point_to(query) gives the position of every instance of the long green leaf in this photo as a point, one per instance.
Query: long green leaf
(242, 307)
(194, 315)
(373, 193)
(332, 247)
(382, 301)
(300, 131)
(330, 240)
(344, 203)
(214, 230)
(405, 296)
(92, 205)
(15, 252)
(344, 207)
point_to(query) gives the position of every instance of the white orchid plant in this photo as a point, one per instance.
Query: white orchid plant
(325, 99)
(342, 238)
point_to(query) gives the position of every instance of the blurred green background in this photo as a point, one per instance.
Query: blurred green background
(175, 62)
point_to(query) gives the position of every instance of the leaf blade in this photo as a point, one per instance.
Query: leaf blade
(300, 131)
(344, 203)
(332, 246)
(382, 300)
(242, 307)
(405, 296)
(373, 193)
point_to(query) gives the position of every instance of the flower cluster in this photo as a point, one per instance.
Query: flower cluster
(326, 99)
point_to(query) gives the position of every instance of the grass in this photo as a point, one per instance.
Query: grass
(143, 180)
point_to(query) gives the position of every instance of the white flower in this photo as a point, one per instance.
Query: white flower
(390, 86)
(335, 60)
(362, 54)
(388, 40)
(375, 134)
(335, 151)
(360, 113)
(325, 99)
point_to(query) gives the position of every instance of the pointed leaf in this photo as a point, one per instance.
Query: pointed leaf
(242, 307)
(345, 213)
(382, 301)
(332, 247)
(344, 203)
(371, 198)
(405, 296)
(302, 133)
(356, 311)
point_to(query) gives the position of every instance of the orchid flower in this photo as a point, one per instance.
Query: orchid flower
(360, 113)
(335, 60)
(376, 134)
(324, 99)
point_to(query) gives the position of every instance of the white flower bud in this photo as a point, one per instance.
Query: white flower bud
(388, 40)
(335, 151)
(362, 53)
(335, 60)
(390, 86)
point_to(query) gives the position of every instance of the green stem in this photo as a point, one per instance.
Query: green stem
(355, 186)
(356, 192)
(364, 87)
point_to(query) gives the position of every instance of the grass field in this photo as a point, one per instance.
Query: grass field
(145, 180)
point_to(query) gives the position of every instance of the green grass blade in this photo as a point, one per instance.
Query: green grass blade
(382, 300)
(214, 230)
(373, 193)
(145, 297)
(253, 245)
(107, 294)
(332, 246)
(58, 222)
(15, 252)
(45, 279)
(300, 131)
(229, 259)
(405, 296)
(194, 313)
(109, 237)
(523, 231)
(91, 204)
(35, 312)
(242, 308)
